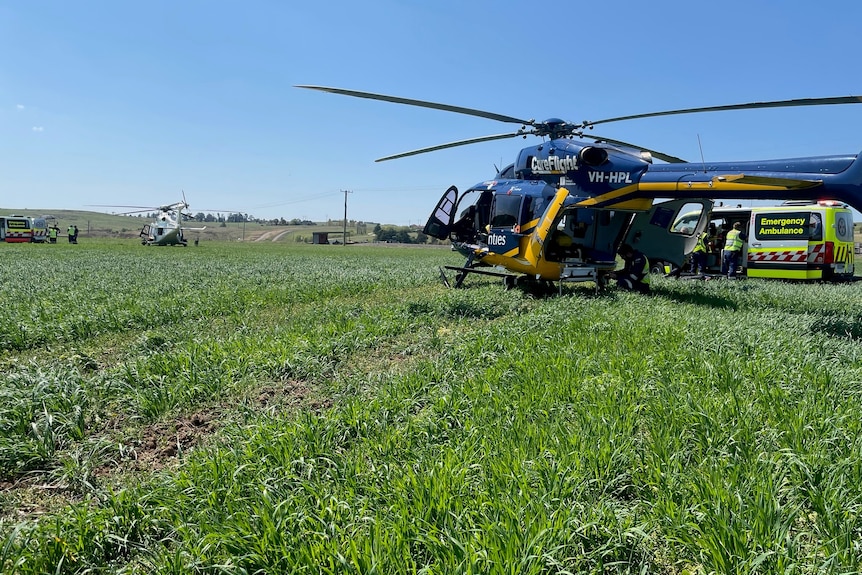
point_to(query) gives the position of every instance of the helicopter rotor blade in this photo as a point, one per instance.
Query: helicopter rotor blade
(137, 210)
(749, 106)
(120, 206)
(453, 145)
(421, 104)
(655, 153)
(555, 128)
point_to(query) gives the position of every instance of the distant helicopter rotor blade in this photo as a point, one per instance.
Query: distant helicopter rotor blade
(749, 106)
(136, 210)
(453, 145)
(655, 153)
(422, 104)
(119, 206)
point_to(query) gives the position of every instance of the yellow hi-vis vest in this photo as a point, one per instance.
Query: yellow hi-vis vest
(700, 246)
(733, 242)
(645, 271)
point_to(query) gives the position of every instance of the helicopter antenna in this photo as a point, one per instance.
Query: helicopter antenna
(702, 161)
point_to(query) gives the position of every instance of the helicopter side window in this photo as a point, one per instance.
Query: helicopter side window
(505, 211)
(578, 223)
(687, 219)
(537, 208)
(567, 240)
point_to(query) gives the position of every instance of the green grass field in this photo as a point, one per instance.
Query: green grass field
(246, 408)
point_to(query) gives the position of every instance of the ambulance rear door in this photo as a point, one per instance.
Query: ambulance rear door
(838, 229)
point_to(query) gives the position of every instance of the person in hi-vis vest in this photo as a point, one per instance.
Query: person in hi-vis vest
(732, 250)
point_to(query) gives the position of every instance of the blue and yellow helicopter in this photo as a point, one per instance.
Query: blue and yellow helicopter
(564, 207)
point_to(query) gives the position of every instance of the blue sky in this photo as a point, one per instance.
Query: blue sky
(134, 103)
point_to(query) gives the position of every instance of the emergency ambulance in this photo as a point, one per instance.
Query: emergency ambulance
(796, 240)
(16, 229)
(804, 241)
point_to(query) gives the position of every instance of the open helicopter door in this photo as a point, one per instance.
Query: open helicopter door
(668, 232)
(440, 223)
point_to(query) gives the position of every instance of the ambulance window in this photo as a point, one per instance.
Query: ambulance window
(843, 227)
(687, 219)
(815, 227)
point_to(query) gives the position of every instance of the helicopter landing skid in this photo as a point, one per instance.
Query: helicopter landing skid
(598, 274)
(509, 280)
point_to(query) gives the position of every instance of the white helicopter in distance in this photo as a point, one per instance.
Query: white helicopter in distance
(167, 229)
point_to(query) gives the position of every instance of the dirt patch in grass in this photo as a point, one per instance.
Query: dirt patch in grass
(153, 447)
(162, 443)
(284, 396)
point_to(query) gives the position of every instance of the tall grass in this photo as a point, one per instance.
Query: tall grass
(710, 428)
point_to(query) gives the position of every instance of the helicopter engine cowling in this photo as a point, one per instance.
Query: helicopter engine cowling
(593, 156)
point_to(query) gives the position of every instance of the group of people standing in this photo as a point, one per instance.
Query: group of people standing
(54, 233)
(734, 241)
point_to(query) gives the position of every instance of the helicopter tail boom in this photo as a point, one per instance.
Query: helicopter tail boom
(818, 178)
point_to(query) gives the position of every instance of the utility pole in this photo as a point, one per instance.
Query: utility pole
(345, 214)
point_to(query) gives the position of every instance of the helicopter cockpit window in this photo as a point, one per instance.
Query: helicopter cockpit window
(472, 215)
(687, 219)
(507, 173)
(505, 211)
(467, 204)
